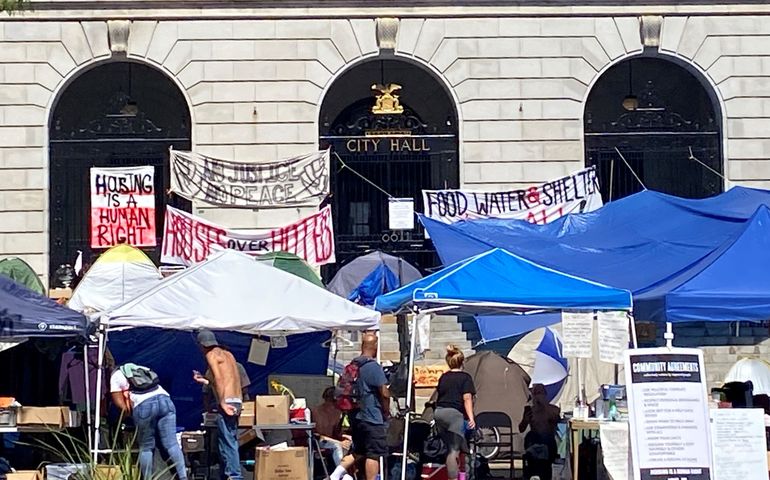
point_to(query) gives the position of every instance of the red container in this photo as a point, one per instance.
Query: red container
(434, 471)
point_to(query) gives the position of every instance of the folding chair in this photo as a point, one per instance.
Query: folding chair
(501, 423)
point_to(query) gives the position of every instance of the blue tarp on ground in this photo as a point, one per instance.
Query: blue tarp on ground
(174, 355)
(24, 313)
(498, 281)
(638, 243)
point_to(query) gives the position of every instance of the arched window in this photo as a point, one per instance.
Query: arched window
(393, 123)
(651, 118)
(115, 115)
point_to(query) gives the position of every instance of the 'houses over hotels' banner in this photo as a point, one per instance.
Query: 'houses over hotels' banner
(575, 193)
(188, 239)
(123, 206)
(298, 181)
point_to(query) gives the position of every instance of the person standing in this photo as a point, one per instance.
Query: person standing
(368, 423)
(228, 392)
(542, 418)
(454, 406)
(135, 391)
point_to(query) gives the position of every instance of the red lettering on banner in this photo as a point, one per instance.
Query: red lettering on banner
(122, 207)
(188, 240)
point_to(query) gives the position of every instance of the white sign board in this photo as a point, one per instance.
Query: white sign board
(613, 335)
(739, 444)
(401, 213)
(616, 452)
(668, 414)
(577, 330)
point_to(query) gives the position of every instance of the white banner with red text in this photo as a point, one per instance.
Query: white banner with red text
(575, 193)
(123, 206)
(188, 239)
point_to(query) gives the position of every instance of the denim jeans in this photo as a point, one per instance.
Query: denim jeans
(227, 425)
(335, 447)
(157, 415)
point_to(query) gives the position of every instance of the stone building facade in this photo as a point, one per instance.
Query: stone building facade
(255, 77)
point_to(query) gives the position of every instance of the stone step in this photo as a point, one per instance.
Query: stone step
(388, 329)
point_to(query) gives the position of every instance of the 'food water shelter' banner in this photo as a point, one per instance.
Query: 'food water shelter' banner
(123, 206)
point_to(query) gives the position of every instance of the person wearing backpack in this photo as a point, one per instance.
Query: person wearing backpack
(136, 390)
(363, 395)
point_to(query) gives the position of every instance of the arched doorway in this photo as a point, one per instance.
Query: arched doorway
(664, 123)
(402, 146)
(118, 114)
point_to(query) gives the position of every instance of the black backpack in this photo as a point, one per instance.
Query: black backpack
(140, 379)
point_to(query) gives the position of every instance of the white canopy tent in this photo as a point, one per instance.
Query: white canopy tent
(230, 291)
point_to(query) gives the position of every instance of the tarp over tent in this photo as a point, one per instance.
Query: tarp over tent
(26, 314)
(118, 275)
(370, 275)
(20, 272)
(230, 291)
(635, 243)
(498, 281)
(732, 283)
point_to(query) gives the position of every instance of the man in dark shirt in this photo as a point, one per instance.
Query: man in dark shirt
(369, 443)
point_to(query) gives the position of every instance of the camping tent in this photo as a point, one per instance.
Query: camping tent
(288, 262)
(635, 243)
(119, 274)
(20, 272)
(230, 291)
(26, 314)
(370, 275)
(729, 284)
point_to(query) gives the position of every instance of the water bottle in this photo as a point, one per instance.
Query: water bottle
(307, 415)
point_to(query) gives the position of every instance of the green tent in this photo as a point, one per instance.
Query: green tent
(288, 262)
(20, 272)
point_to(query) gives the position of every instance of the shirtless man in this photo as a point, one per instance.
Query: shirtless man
(228, 391)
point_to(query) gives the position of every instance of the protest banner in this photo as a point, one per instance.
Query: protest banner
(188, 239)
(297, 181)
(668, 414)
(123, 206)
(540, 204)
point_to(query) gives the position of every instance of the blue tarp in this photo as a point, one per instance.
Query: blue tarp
(380, 280)
(174, 355)
(638, 243)
(497, 282)
(24, 313)
(733, 283)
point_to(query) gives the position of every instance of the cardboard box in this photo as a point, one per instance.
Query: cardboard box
(54, 417)
(107, 472)
(25, 475)
(285, 464)
(272, 410)
(248, 417)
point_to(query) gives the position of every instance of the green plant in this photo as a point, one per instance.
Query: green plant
(119, 464)
(11, 6)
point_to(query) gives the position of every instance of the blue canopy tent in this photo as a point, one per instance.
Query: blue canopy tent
(638, 243)
(27, 314)
(498, 282)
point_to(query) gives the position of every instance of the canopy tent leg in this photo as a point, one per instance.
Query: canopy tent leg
(632, 322)
(99, 380)
(409, 391)
(88, 396)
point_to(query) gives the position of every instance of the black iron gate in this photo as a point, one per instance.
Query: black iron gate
(116, 115)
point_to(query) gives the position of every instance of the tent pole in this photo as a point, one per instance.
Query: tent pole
(409, 390)
(99, 380)
(632, 321)
(88, 395)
